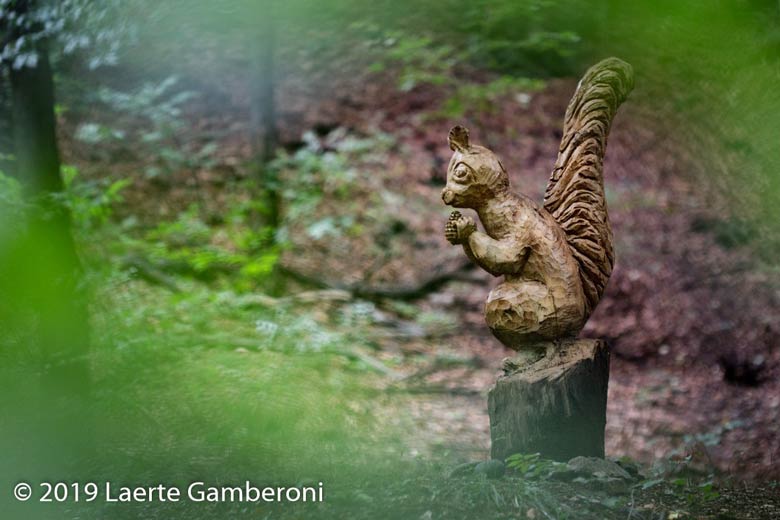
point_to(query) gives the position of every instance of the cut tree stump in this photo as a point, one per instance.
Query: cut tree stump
(556, 405)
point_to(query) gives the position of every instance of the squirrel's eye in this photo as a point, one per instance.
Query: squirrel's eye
(461, 172)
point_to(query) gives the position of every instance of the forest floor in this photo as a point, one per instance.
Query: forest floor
(690, 311)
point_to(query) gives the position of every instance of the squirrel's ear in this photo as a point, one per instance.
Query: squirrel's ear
(458, 139)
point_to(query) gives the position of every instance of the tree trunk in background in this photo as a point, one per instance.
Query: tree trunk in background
(42, 269)
(263, 112)
(6, 132)
(263, 128)
(35, 139)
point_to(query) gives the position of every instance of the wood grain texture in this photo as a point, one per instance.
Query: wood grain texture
(575, 192)
(555, 259)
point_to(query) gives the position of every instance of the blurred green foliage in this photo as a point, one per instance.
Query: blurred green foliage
(89, 202)
(149, 117)
(534, 38)
(12, 202)
(234, 249)
(533, 466)
(325, 168)
(709, 69)
(424, 61)
(487, 97)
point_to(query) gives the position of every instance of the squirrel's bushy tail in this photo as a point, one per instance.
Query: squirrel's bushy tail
(575, 192)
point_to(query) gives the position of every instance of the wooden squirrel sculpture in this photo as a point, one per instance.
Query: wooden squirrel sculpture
(556, 259)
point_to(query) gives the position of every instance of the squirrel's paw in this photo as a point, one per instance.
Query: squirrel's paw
(459, 228)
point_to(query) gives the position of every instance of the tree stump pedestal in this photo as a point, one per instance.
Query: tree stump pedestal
(552, 400)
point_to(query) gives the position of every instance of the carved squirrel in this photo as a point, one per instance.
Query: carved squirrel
(556, 259)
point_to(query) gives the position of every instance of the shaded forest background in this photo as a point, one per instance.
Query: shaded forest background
(222, 242)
